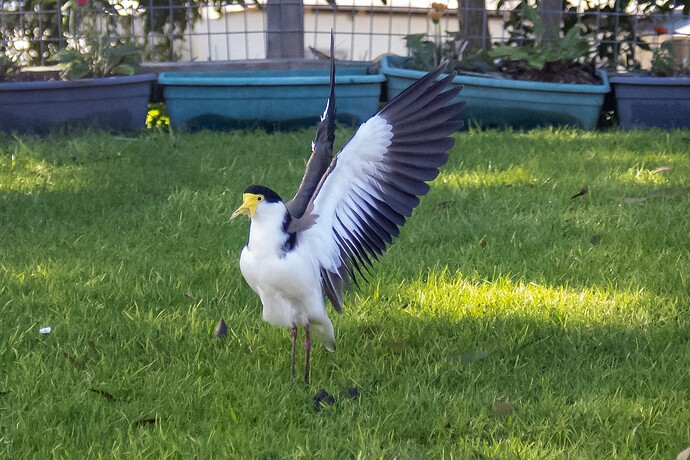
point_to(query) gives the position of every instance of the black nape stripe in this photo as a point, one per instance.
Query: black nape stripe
(291, 240)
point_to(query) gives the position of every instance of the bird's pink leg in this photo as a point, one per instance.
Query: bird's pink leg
(293, 333)
(307, 349)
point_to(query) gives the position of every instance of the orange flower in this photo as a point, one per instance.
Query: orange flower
(440, 7)
(436, 11)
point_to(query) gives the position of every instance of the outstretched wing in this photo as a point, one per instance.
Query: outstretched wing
(321, 153)
(376, 180)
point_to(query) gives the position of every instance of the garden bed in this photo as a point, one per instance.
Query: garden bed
(500, 102)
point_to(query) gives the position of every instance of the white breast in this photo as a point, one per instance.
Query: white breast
(287, 281)
(288, 286)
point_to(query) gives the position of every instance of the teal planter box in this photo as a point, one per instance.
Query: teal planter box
(652, 102)
(499, 103)
(268, 99)
(112, 103)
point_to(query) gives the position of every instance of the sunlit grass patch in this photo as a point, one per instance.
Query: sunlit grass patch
(445, 295)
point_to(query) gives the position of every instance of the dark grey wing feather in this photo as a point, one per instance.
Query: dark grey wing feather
(374, 207)
(322, 152)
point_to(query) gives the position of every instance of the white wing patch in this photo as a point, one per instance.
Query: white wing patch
(354, 168)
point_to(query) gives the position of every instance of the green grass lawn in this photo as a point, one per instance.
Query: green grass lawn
(509, 320)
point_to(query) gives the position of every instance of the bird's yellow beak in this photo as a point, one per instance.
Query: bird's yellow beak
(249, 204)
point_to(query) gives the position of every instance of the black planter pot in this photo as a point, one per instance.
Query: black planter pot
(652, 102)
(113, 103)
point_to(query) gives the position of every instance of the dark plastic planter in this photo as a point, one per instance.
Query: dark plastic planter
(495, 102)
(269, 99)
(652, 102)
(113, 103)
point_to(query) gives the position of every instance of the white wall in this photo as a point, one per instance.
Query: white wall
(365, 35)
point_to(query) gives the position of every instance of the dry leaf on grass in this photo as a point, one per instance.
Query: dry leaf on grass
(684, 455)
(583, 191)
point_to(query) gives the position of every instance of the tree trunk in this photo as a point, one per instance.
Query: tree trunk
(474, 25)
(285, 29)
(551, 12)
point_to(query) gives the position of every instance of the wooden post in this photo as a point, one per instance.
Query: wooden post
(551, 12)
(285, 29)
(474, 25)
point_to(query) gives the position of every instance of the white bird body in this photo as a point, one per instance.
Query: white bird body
(287, 282)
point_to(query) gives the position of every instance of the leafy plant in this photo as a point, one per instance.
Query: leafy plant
(618, 41)
(614, 24)
(8, 66)
(25, 21)
(423, 50)
(101, 57)
(429, 53)
(44, 24)
(664, 63)
(93, 47)
(573, 47)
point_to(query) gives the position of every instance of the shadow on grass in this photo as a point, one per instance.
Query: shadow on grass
(586, 389)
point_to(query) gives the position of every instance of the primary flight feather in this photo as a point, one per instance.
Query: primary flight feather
(348, 208)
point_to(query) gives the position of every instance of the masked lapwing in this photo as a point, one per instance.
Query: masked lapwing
(347, 209)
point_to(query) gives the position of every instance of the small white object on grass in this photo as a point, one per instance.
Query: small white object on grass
(45, 330)
(684, 455)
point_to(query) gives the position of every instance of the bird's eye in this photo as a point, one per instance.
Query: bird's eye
(260, 198)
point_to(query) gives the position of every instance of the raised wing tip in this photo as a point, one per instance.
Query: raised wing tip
(322, 149)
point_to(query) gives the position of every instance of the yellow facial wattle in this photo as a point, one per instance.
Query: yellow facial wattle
(249, 203)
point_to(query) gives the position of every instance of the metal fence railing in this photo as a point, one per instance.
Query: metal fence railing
(176, 30)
